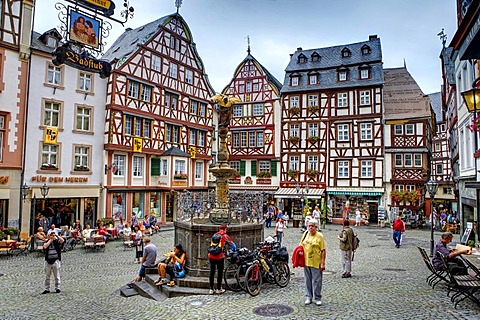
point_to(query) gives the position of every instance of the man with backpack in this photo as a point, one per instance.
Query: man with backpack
(216, 257)
(346, 246)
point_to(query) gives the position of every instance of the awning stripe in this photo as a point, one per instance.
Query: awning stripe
(356, 193)
(292, 193)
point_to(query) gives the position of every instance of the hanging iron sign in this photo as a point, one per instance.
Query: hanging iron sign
(107, 7)
(81, 61)
(84, 29)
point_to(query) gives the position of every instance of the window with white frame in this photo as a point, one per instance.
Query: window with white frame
(313, 163)
(342, 76)
(193, 107)
(51, 114)
(407, 160)
(342, 99)
(54, 75)
(243, 139)
(241, 88)
(2, 134)
(437, 146)
(313, 100)
(399, 187)
(137, 167)
(264, 166)
(180, 166)
(171, 100)
(164, 167)
(364, 98)
(171, 133)
(173, 70)
(235, 165)
(252, 140)
(189, 76)
(294, 163)
(81, 157)
(294, 81)
(119, 162)
(146, 93)
(294, 130)
(172, 42)
(365, 131)
(417, 160)
(49, 156)
(342, 132)
(255, 87)
(203, 108)
(364, 73)
(85, 81)
(260, 139)
(439, 168)
(201, 138)
(409, 129)
(138, 127)
(198, 170)
(237, 111)
(156, 63)
(313, 79)
(366, 170)
(236, 139)
(409, 187)
(193, 137)
(248, 86)
(398, 160)
(128, 126)
(313, 129)
(343, 169)
(294, 102)
(83, 118)
(133, 89)
(398, 129)
(257, 110)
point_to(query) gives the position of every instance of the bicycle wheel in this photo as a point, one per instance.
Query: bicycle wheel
(240, 276)
(253, 279)
(229, 276)
(281, 272)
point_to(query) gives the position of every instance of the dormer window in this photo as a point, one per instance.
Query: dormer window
(364, 72)
(52, 42)
(313, 79)
(346, 53)
(366, 50)
(315, 57)
(343, 75)
(294, 81)
(302, 58)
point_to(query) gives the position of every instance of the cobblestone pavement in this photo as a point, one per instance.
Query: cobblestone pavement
(387, 283)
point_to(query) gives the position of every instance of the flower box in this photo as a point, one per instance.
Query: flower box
(293, 173)
(180, 176)
(264, 174)
(81, 167)
(294, 110)
(49, 166)
(312, 173)
(293, 139)
(313, 109)
(313, 139)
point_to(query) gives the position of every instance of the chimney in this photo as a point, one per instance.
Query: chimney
(128, 29)
(291, 55)
(372, 37)
(299, 49)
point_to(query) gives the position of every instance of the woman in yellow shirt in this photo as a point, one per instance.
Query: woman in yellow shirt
(315, 253)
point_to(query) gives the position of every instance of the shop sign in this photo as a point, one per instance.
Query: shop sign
(60, 179)
(65, 55)
(137, 144)
(50, 135)
(179, 183)
(4, 179)
(264, 181)
(107, 7)
(193, 152)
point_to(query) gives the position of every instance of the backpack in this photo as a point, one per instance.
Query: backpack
(355, 244)
(215, 245)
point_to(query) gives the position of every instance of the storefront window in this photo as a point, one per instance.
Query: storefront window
(90, 212)
(61, 212)
(155, 205)
(169, 207)
(118, 206)
(3, 213)
(138, 204)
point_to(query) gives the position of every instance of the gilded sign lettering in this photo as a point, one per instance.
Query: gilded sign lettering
(64, 55)
(3, 179)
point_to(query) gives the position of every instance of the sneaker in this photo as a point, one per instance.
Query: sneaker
(308, 301)
(219, 291)
(45, 291)
(211, 291)
(157, 282)
(58, 290)
(171, 284)
(318, 303)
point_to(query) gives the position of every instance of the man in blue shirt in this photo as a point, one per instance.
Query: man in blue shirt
(455, 264)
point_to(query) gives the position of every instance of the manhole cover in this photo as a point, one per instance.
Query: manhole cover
(380, 238)
(196, 303)
(393, 269)
(273, 310)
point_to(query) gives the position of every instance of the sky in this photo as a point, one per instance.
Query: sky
(276, 28)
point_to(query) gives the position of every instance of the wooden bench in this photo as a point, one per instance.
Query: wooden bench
(5, 248)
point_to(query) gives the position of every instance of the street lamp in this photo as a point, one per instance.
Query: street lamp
(303, 191)
(44, 190)
(432, 187)
(24, 189)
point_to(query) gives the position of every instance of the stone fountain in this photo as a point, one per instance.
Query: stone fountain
(195, 233)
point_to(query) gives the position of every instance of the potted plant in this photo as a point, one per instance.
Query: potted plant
(313, 139)
(81, 167)
(293, 139)
(264, 174)
(412, 196)
(180, 176)
(313, 108)
(2, 234)
(312, 173)
(292, 173)
(397, 195)
(49, 166)
(474, 125)
(294, 110)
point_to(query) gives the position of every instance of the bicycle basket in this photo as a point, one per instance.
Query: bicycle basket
(281, 254)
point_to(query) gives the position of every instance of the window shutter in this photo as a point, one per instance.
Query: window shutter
(254, 168)
(242, 168)
(155, 166)
(273, 168)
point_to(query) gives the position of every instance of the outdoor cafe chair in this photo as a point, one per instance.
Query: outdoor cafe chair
(22, 247)
(5, 248)
(89, 244)
(99, 243)
(127, 242)
(435, 276)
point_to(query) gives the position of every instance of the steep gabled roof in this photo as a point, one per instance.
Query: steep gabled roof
(436, 103)
(38, 40)
(402, 97)
(175, 151)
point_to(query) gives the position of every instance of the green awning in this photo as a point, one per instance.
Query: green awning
(356, 193)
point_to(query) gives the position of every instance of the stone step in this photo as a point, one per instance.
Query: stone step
(182, 291)
(196, 286)
(128, 291)
(195, 282)
(147, 290)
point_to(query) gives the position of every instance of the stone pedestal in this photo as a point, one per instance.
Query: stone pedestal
(195, 240)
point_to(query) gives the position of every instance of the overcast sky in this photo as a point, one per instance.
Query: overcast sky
(407, 30)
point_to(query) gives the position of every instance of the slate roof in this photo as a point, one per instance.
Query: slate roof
(402, 97)
(37, 40)
(436, 103)
(175, 151)
(330, 61)
(449, 65)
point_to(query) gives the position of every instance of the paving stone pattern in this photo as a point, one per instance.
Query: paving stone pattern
(387, 283)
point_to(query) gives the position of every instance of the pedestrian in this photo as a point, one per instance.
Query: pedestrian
(346, 245)
(268, 218)
(316, 213)
(398, 230)
(285, 219)
(53, 257)
(138, 242)
(315, 253)
(358, 218)
(307, 219)
(148, 260)
(217, 261)
(279, 226)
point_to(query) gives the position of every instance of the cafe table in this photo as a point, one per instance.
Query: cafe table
(12, 244)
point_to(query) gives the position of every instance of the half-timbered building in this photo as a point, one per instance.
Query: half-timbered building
(332, 136)
(158, 119)
(409, 122)
(441, 171)
(254, 147)
(16, 19)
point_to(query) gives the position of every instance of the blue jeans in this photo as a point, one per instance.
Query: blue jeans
(313, 283)
(397, 236)
(279, 237)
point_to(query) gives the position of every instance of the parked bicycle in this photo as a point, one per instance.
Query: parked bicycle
(238, 263)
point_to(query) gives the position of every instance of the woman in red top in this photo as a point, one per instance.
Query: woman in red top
(217, 261)
(398, 230)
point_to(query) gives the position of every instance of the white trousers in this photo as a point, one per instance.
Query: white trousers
(49, 269)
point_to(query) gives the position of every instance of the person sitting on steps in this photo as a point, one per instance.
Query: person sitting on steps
(178, 257)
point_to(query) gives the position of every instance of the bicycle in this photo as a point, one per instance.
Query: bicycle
(234, 273)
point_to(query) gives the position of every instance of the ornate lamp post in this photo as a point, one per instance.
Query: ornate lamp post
(301, 193)
(432, 188)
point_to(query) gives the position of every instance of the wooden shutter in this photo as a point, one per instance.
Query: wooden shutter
(155, 166)
(242, 168)
(254, 168)
(273, 168)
